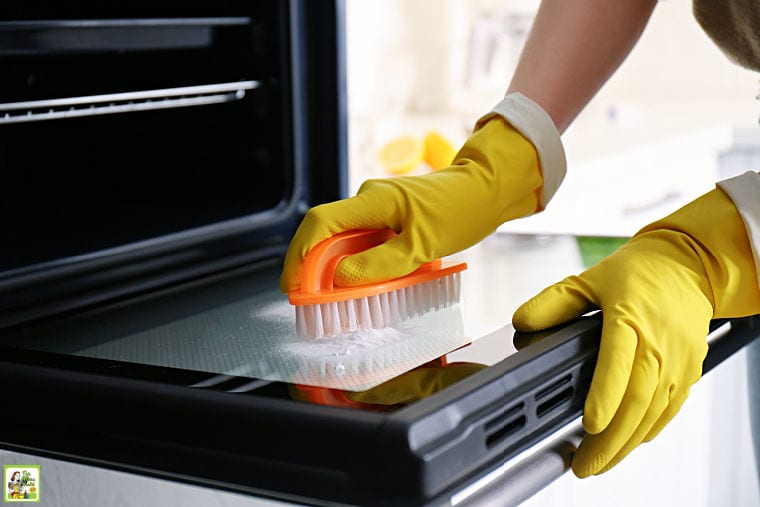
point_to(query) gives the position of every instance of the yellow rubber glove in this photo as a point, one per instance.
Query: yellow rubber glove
(495, 177)
(416, 384)
(657, 294)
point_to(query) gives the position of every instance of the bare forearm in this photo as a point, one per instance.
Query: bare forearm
(573, 48)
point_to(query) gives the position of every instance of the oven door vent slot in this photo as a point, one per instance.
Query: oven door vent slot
(113, 103)
(554, 395)
(509, 422)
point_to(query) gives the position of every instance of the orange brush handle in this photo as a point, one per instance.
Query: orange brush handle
(318, 269)
(319, 265)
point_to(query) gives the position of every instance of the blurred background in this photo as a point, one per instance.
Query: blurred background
(677, 117)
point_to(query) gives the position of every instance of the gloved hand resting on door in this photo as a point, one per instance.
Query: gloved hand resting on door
(657, 293)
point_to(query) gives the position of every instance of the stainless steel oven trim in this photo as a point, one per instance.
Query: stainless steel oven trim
(118, 23)
(112, 103)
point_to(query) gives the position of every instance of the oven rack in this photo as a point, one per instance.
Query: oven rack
(125, 102)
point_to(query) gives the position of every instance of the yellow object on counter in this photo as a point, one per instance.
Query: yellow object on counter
(439, 153)
(401, 155)
(404, 154)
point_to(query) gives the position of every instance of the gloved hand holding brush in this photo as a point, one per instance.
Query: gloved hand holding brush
(657, 293)
(506, 169)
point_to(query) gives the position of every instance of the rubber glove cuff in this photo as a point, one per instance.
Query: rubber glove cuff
(535, 124)
(744, 191)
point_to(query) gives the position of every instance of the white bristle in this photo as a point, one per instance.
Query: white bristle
(365, 320)
(334, 318)
(410, 301)
(318, 328)
(343, 311)
(419, 299)
(301, 321)
(334, 325)
(401, 299)
(376, 312)
(385, 307)
(324, 319)
(393, 304)
(326, 324)
(352, 323)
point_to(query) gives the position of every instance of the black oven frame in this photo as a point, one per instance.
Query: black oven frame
(313, 116)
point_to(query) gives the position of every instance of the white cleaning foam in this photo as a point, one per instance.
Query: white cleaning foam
(365, 358)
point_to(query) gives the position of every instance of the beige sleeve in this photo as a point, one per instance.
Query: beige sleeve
(744, 191)
(536, 125)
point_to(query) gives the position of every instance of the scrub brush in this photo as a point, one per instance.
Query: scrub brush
(323, 309)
